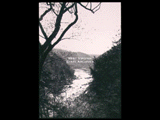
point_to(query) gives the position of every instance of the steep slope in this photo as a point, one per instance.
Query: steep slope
(56, 72)
(106, 84)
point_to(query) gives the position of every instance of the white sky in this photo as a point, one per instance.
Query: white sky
(95, 31)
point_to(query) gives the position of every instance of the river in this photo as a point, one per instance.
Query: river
(78, 86)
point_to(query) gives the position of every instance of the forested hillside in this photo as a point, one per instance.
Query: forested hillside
(55, 74)
(72, 58)
(106, 84)
(65, 54)
(101, 99)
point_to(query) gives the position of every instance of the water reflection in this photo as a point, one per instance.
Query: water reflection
(78, 86)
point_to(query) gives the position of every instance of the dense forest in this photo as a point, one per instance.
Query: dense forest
(106, 84)
(55, 74)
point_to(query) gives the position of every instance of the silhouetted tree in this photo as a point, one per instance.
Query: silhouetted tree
(59, 9)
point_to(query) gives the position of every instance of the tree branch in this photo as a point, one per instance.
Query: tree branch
(90, 9)
(65, 38)
(42, 36)
(86, 7)
(43, 32)
(87, 4)
(67, 28)
(53, 10)
(71, 37)
(69, 7)
(57, 27)
(90, 5)
(99, 5)
(44, 14)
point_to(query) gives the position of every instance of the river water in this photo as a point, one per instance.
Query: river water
(78, 86)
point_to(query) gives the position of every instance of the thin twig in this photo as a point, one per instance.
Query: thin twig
(99, 5)
(56, 29)
(86, 7)
(90, 5)
(63, 33)
(87, 4)
(90, 9)
(44, 34)
(44, 14)
(69, 7)
(71, 37)
(53, 10)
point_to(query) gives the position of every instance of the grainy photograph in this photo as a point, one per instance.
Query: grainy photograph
(79, 59)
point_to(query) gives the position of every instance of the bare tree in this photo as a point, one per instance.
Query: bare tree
(59, 9)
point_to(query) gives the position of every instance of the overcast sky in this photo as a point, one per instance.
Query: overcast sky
(93, 33)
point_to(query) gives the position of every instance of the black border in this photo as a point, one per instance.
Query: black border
(36, 61)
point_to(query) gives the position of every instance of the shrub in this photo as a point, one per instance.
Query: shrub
(106, 82)
(56, 73)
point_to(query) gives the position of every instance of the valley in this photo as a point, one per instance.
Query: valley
(74, 90)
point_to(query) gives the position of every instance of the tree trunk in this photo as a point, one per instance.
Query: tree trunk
(42, 58)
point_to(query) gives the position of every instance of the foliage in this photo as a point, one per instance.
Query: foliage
(106, 82)
(55, 74)
(103, 99)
